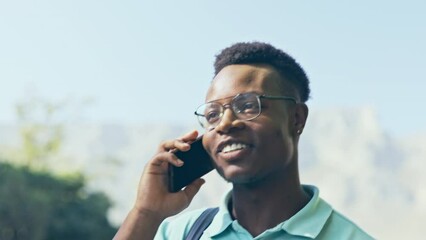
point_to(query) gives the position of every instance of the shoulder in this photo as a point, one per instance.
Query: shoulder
(177, 227)
(340, 227)
(334, 225)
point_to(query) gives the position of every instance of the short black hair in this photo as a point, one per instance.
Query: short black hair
(264, 53)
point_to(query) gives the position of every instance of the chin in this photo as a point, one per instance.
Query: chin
(239, 177)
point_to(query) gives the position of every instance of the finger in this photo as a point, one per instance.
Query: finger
(181, 143)
(190, 136)
(173, 145)
(193, 188)
(184, 142)
(166, 157)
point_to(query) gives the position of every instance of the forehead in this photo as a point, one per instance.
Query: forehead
(239, 78)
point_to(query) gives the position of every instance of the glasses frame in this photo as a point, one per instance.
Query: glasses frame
(202, 117)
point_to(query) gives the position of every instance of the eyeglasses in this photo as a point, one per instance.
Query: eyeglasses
(245, 106)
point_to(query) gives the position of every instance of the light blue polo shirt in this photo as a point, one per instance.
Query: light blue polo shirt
(317, 220)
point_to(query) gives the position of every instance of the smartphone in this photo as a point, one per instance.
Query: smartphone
(197, 163)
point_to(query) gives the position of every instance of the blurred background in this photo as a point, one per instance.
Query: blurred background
(89, 89)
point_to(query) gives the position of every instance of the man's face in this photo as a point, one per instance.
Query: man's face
(249, 151)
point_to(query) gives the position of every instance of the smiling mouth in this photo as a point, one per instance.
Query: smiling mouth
(234, 147)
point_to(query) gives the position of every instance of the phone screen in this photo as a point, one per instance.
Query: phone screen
(197, 162)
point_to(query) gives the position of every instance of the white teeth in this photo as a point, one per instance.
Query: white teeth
(233, 147)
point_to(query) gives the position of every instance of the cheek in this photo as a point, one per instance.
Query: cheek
(279, 143)
(278, 134)
(207, 140)
(273, 130)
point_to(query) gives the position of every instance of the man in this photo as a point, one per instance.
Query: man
(253, 117)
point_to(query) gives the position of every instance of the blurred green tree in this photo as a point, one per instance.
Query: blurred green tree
(38, 205)
(41, 126)
(38, 201)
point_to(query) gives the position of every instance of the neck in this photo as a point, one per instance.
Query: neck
(264, 204)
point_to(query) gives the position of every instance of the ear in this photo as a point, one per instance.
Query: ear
(300, 116)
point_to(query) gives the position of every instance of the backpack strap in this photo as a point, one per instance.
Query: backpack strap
(201, 224)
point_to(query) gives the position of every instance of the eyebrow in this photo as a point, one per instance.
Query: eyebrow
(260, 94)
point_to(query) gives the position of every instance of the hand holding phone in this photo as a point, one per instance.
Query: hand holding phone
(197, 163)
(153, 202)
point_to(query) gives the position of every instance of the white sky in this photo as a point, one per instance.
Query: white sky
(146, 61)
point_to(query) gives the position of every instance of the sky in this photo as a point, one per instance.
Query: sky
(151, 61)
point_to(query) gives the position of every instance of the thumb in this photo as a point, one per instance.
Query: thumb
(193, 188)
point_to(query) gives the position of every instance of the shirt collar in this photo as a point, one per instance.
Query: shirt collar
(308, 222)
(223, 218)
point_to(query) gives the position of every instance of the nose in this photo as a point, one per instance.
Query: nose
(228, 121)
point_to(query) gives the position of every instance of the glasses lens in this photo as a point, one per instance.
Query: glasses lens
(209, 114)
(246, 106)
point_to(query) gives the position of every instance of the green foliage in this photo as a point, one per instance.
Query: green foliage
(41, 131)
(42, 197)
(40, 206)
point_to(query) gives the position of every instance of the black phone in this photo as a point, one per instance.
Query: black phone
(197, 163)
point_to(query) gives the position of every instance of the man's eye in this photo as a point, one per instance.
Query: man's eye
(212, 116)
(248, 107)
